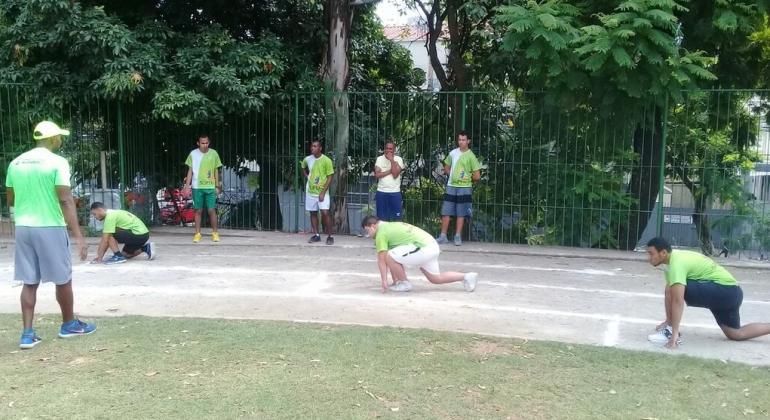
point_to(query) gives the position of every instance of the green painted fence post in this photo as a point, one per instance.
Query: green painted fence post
(296, 162)
(662, 173)
(121, 149)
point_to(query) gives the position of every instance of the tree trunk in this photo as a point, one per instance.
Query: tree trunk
(701, 219)
(645, 179)
(336, 69)
(457, 68)
(340, 109)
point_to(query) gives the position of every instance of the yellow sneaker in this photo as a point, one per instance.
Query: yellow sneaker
(197, 238)
(215, 236)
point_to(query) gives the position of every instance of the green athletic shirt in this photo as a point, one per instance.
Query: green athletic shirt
(689, 265)
(204, 167)
(462, 166)
(123, 220)
(34, 176)
(392, 234)
(320, 169)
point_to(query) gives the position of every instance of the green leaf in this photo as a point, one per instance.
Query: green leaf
(595, 62)
(622, 58)
(548, 20)
(726, 20)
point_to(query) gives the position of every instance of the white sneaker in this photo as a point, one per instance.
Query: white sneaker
(402, 286)
(663, 335)
(469, 281)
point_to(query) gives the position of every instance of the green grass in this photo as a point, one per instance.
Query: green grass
(142, 368)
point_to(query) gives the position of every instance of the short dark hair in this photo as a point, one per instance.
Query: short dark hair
(462, 133)
(320, 143)
(659, 244)
(369, 220)
(203, 136)
(97, 205)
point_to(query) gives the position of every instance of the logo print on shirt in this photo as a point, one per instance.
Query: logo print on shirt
(317, 180)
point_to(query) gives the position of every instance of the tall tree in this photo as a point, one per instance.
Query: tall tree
(622, 61)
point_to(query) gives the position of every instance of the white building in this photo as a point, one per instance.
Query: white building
(413, 38)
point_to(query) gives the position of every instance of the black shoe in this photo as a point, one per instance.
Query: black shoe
(314, 238)
(329, 240)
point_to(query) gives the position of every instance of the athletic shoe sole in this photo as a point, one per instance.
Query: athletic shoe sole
(470, 281)
(152, 251)
(29, 346)
(76, 334)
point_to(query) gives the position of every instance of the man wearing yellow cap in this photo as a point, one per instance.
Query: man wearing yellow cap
(38, 190)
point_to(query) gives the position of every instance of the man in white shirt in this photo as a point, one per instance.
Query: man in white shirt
(387, 170)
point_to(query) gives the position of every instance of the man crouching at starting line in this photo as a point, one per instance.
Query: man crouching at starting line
(401, 244)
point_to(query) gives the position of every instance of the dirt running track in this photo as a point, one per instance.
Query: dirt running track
(593, 297)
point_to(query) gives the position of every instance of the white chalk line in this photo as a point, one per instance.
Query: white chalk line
(317, 283)
(313, 274)
(170, 291)
(591, 290)
(612, 333)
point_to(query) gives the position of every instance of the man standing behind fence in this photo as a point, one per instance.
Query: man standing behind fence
(42, 208)
(387, 170)
(463, 169)
(203, 175)
(319, 171)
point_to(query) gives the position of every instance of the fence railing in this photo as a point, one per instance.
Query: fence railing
(696, 171)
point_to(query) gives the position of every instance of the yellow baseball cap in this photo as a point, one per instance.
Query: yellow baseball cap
(47, 129)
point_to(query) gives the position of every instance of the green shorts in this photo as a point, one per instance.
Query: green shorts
(204, 197)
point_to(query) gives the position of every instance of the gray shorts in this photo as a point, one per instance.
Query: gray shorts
(457, 202)
(42, 253)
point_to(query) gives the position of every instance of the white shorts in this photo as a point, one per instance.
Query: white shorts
(312, 203)
(412, 256)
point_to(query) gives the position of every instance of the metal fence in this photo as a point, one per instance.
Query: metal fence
(696, 170)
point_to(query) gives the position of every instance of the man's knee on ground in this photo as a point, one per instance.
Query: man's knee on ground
(733, 333)
(433, 278)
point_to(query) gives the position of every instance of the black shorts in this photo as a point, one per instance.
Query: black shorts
(131, 241)
(723, 301)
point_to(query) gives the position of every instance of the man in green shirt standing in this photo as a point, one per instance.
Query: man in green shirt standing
(697, 280)
(203, 176)
(42, 208)
(319, 171)
(121, 227)
(401, 244)
(463, 169)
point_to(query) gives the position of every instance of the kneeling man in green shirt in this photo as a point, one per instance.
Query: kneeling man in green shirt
(697, 280)
(121, 227)
(401, 244)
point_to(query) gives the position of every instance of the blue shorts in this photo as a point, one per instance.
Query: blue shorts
(388, 206)
(457, 202)
(724, 302)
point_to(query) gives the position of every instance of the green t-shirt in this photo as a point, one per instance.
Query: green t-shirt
(462, 166)
(121, 219)
(689, 265)
(392, 234)
(34, 176)
(320, 169)
(204, 167)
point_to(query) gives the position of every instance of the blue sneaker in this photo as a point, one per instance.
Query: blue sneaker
(149, 249)
(75, 328)
(29, 340)
(116, 259)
